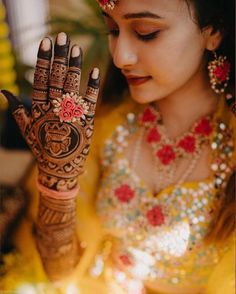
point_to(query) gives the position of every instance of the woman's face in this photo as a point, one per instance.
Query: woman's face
(157, 45)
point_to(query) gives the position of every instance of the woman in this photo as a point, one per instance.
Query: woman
(158, 165)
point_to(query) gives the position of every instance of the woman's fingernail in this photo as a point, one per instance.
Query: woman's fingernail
(61, 38)
(75, 51)
(46, 44)
(95, 73)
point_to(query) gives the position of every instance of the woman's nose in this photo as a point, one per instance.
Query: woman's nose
(124, 55)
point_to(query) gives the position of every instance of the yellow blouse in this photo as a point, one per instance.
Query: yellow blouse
(135, 239)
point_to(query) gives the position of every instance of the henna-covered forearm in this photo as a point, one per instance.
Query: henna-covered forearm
(58, 131)
(56, 235)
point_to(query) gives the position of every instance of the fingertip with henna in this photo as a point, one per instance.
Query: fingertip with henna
(62, 45)
(45, 49)
(94, 79)
(76, 56)
(13, 101)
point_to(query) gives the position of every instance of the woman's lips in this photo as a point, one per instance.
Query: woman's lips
(135, 81)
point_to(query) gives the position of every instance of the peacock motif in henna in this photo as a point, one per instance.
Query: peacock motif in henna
(60, 126)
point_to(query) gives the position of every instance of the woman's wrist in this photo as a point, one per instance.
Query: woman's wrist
(57, 184)
(57, 194)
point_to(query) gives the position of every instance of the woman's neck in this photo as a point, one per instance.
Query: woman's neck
(180, 110)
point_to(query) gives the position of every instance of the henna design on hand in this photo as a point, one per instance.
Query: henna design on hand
(60, 148)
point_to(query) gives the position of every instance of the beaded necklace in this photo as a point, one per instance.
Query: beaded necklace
(168, 152)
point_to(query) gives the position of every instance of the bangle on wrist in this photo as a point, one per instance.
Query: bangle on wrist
(57, 194)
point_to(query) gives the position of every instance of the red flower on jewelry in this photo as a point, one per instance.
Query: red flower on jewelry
(153, 135)
(67, 104)
(188, 143)
(125, 260)
(203, 127)
(166, 154)
(155, 216)
(70, 108)
(148, 116)
(78, 111)
(124, 193)
(222, 71)
(66, 114)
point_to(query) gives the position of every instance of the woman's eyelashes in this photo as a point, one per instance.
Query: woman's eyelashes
(147, 37)
(143, 37)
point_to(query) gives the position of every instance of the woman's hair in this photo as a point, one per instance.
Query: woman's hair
(220, 15)
(216, 13)
(224, 222)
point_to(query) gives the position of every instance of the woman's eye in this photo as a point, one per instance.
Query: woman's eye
(147, 37)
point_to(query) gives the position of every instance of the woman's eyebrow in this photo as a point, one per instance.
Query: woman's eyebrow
(145, 14)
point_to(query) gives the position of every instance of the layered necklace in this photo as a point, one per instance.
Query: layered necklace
(168, 152)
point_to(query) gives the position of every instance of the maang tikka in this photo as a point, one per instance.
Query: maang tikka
(219, 70)
(109, 4)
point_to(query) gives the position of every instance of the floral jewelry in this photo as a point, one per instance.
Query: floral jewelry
(219, 70)
(110, 4)
(168, 151)
(71, 108)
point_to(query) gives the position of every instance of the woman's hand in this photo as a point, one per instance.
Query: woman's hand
(60, 126)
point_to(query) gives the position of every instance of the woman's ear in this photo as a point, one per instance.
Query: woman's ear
(213, 38)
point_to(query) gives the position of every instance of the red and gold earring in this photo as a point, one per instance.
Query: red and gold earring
(219, 70)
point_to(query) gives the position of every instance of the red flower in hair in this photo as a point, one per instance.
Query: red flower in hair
(124, 193)
(155, 216)
(222, 71)
(166, 154)
(153, 135)
(148, 116)
(204, 127)
(188, 143)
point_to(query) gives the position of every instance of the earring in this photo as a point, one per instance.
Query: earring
(219, 70)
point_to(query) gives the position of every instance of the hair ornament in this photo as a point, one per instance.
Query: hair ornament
(109, 4)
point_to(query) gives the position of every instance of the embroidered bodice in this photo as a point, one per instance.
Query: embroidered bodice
(161, 237)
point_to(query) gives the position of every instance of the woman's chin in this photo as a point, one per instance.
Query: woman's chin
(142, 98)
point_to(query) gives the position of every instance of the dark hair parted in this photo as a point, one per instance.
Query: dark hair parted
(216, 13)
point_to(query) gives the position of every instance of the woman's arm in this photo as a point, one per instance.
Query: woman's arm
(58, 131)
(56, 237)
